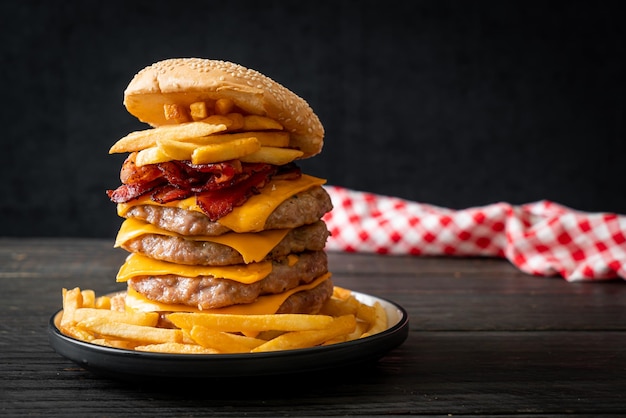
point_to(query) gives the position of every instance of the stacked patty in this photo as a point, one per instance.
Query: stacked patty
(207, 233)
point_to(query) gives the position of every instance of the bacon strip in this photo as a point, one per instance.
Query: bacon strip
(218, 203)
(128, 192)
(218, 187)
(168, 193)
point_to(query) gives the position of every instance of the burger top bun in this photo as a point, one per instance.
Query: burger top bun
(184, 81)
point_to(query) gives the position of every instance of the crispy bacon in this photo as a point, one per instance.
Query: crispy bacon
(128, 192)
(218, 187)
(173, 174)
(223, 170)
(131, 173)
(168, 193)
(218, 203)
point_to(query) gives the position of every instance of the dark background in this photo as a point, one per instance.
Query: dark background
(452, 103)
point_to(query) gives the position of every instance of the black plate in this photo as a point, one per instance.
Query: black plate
(122, 363)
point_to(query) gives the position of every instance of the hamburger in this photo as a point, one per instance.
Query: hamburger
(218, 216)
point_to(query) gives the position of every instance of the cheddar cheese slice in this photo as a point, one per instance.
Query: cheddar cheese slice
(252, 246)
(140, 265)
(262, 306)
(252, 215)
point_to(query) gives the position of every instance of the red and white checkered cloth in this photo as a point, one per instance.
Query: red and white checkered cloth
(541, 238)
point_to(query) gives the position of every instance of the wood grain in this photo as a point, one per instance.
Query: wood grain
(485, 339)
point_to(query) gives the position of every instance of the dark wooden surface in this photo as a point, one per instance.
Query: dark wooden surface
(484, 339)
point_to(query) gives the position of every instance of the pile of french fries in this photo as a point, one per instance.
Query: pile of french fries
(202, 138)
(106, 321)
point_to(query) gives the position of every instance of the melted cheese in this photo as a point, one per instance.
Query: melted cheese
(252, 215)
(262, 306)
(252, 246)
(140, 265)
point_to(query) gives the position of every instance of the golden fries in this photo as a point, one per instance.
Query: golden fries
(103, 302)
(176, 348)
(260, 123)
(204, 135)
(151, 155)
(224, 106)
(176, 150)
(225, 151)
(272, 155)
(120, 330)
(238, 323)
(140, 140)
(175, 113)
(380, 321)
(236, 121)
(89, 298)
(302, 339)
(148, 319)
(198, 111)
(223, 342)
(93, 319)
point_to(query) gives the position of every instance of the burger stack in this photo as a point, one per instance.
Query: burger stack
(218, 216)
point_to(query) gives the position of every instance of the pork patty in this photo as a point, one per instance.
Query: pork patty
(207, 292)
(183, 251)
(308, 301)
(303, 208)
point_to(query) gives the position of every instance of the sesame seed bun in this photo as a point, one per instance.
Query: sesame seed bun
(187, 80)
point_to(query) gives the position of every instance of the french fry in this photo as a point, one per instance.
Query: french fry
(231, 150)
(78, 333)
(176, 348)
(273, 155)
(140, 140)
(148, 319)
(224, 106)
(175, 113)
(237, 121)
(176, 150)
(72, 300)
(366, 313)
(338, 307)
(380, 321)
(222, 341)
(124, 344)
(152, 155)
(89, 298)
(102, 326)
(103, 302)
(238, 323)
(360, 328)
(218, 120)
(260, 123)
(301, 339)
(341, 293)
(198, 111)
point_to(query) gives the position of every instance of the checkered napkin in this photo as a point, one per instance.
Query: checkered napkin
(541, 238)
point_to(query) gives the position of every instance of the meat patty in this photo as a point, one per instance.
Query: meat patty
(207, 292)
(308, 301)
(183, 251)
(303, 208)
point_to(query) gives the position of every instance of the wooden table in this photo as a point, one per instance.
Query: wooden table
(484, 339)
